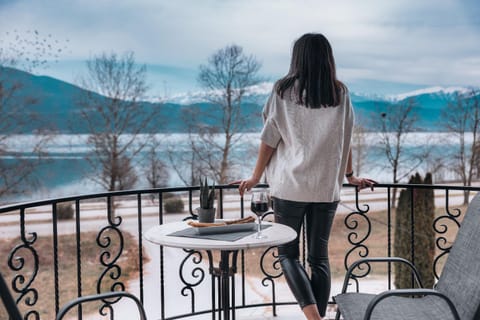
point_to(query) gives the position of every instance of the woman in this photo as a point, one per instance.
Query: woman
(305, 153)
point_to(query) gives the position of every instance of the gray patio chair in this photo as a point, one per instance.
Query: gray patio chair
(455, 296)
(15, 314)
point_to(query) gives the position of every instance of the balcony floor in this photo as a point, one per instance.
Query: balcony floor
(291, 312)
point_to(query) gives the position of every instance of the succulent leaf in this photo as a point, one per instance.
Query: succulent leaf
(207, 194)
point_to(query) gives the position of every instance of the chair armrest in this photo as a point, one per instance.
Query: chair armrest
(8, 301)
(355, 264)
(102, 296)
(409, 292)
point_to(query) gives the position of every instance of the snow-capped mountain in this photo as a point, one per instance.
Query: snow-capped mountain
(259, 91)
(263, 89)
(429, 91)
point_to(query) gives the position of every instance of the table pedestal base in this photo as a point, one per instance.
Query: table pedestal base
(225, 272)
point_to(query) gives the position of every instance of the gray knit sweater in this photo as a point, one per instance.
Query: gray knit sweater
(311, 145)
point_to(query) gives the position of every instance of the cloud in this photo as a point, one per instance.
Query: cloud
(426, 42)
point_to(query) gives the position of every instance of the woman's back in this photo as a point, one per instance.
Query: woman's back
(312, 147)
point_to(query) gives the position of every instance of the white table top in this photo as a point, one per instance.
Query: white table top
(276, 234)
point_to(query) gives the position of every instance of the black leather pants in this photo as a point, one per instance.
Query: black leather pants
(318, 222)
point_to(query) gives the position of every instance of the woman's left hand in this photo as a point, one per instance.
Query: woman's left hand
(362, 183)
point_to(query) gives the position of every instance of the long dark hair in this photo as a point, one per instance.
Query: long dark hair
(312, 74)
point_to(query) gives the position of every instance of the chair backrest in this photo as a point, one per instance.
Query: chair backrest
(14, 313)
(460, 278)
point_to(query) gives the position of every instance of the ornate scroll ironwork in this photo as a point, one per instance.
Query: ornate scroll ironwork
(270, 277)
(111, 239)
(276, 267)
(352, 222)
(21, 282)
(440, 225)
(196, 273)
(23, 259)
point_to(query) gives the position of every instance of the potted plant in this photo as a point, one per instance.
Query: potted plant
(206, 211)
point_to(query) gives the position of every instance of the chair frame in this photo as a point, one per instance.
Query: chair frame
(102, 296)
(8, 301)
(14, 313)
(397, 292)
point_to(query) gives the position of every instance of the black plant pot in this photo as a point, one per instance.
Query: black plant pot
(206, 215)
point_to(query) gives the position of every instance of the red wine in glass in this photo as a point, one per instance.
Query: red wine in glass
(259, 208)
(259, 205)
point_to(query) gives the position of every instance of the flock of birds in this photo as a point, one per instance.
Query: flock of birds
(29, 50)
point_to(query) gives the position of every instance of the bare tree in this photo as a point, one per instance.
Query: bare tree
(476, 149)
(359, 148)
(117, 122)
(394, 124)
(22, 52)
(155, 171)
(438, 167)
(185, 159)
(226, 78)
(462, 118)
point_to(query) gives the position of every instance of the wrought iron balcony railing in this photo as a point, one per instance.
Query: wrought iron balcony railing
(48, 260)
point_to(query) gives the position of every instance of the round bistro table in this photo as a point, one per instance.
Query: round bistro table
(276, 234)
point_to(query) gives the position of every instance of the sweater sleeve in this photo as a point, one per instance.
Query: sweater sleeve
(270, 134)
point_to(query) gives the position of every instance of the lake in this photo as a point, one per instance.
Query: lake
(66, 172)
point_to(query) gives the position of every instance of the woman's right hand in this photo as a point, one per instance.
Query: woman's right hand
(246, 184)
(362, 183)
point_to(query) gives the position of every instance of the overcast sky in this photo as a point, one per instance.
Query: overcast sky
(380, 46)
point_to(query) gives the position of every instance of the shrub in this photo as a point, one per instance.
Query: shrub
(65, 211)
(173, 205)
(424, 215)
(168, 195)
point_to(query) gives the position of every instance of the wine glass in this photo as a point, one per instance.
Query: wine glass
(259, 205)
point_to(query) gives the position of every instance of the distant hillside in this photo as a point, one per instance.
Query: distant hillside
(430, 102)
(428, 110)
(57, 105)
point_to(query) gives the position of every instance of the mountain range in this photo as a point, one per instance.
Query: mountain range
(56, 104)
